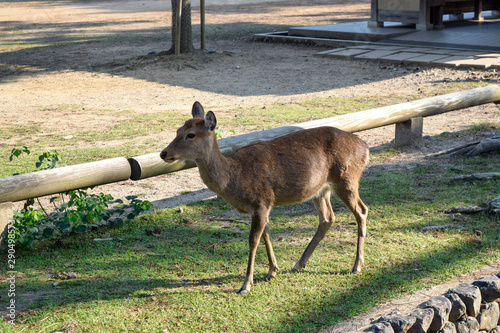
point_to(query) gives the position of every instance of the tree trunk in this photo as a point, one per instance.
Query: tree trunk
(186, 45)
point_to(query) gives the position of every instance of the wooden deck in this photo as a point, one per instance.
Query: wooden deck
(427, 14)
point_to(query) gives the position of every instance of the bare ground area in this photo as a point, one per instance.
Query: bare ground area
(95, 55)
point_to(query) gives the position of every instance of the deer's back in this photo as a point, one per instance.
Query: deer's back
(294, 167)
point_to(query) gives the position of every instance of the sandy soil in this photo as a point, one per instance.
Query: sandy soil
(57, 54)
(73, 53)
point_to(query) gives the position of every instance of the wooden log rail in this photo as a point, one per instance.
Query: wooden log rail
(46, 182)
(407, 117)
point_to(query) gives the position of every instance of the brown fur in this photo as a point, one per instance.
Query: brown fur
(290, 169)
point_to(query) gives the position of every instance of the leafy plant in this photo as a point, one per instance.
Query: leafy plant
(50, 157)
(220, 134)
(82, 212)
(16, 152)
(78, 212)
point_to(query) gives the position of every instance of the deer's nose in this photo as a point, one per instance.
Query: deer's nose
(163, 155)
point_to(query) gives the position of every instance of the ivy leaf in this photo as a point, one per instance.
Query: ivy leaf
(64, 227)
(115, 222)
(80, 229)
(30, 243)
(62, 207)
(73, 218)
(48, 232)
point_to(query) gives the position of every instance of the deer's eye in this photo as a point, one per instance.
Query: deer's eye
(190, 136)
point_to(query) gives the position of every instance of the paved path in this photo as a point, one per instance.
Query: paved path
(426, 55)
(460, 43)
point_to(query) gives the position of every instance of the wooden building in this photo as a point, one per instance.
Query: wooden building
(427, 14)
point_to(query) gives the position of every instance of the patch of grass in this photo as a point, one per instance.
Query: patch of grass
(451, 87)
(145, 124)
(318, 108)
(185, 279)
(70, 155)
(132, 128)
(484, 127)
(472, 130)
(383, 154)
(24, 131)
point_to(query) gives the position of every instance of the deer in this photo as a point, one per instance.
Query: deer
(303, 165)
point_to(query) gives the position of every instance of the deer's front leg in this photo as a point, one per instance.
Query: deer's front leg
(259, 220)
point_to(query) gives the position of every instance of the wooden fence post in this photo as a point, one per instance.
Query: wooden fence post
(409, 133)
(6, 216)
(46, 182)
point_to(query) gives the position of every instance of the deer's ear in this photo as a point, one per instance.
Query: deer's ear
(210, 121)
(197, 111)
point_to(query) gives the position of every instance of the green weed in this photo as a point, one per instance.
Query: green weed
(184, 277)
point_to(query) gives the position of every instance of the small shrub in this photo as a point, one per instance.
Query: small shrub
(78, 213)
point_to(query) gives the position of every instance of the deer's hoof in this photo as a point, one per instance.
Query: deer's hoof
(243, 291)
(297, 268)
(268, 277)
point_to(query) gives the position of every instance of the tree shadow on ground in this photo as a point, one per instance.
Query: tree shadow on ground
(108, 47)
(137, 266)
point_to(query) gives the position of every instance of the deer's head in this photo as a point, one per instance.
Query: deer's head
(194, 139)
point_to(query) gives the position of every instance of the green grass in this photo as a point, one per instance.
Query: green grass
(185, 280)
(24, 131)
(134, 129)
(302, 111)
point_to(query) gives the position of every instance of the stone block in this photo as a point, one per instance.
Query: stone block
(441, 307)
(470, 325)
(423, 319)
(380, 328)
(458, 308)
(488, 316)
(489, 287)
(496, 330)
(470, 295)
(449, 328)
(399, 322)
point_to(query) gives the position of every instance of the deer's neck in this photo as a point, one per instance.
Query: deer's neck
(214, 169)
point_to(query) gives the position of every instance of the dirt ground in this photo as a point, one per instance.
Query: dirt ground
(60, 53)
(73, 53)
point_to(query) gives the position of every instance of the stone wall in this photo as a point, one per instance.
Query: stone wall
(467, 308)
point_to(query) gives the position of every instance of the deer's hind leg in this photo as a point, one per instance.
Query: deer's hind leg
(347, 191)
(273, 266)
(326, 219)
